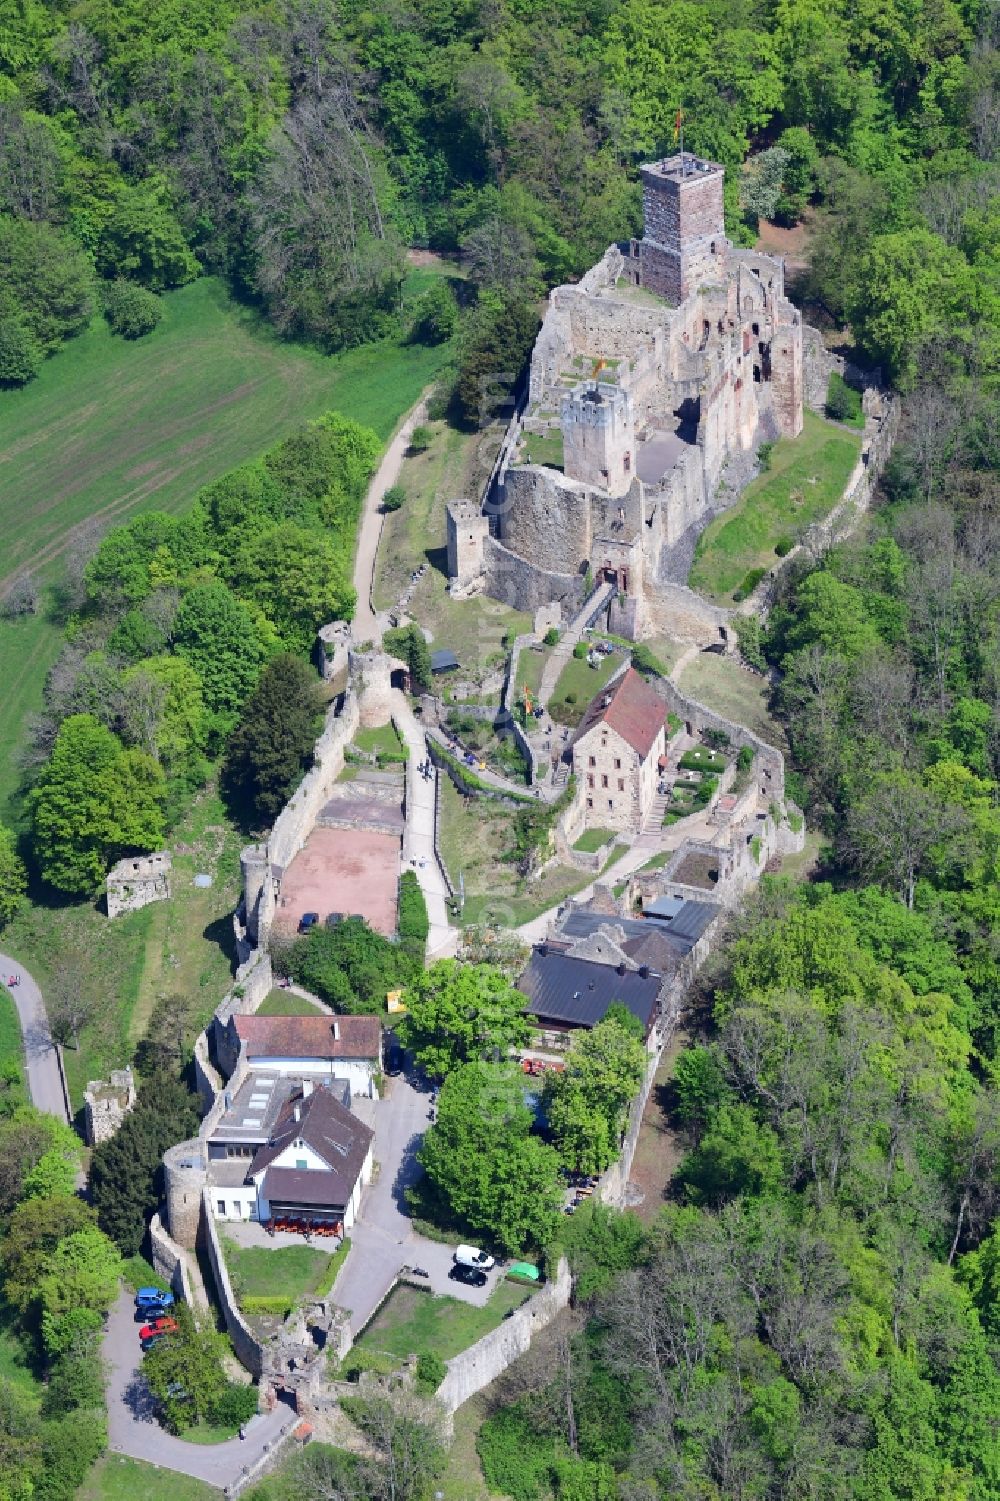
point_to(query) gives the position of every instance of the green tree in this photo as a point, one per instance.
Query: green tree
(75, 1380)
(349, 966)
(736, 1156)
(46, 279)
(21, 355)
(587, 1103)
(35, 1229)
(131, 310)
(218, 636)
(13, 876)
(272, 746)
(299, 577)
(462, 1013)
(166, 713)
(409, 644)
(93, 802)
(185, 1372)
(435, 317)
(54, 1173)
(77, 1288)
(141, 238)
(483, 1162)
(910, 285)
(126, 1171)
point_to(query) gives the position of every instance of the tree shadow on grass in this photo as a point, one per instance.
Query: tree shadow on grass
(221, 933)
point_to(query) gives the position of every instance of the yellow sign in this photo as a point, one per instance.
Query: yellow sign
(394, 1001)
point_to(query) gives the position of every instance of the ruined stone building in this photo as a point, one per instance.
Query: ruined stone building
(674, 353)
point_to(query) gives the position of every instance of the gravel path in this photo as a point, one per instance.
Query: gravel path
(367, 626)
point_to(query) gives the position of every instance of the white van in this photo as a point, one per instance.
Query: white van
(472, 1256)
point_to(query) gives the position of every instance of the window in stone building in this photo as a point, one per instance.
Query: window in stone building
(220, 1206)
(604, 781)
(591, 760)
(618, 763)
(610, 803)
(621, 784)
(590, 779)
(590, 802)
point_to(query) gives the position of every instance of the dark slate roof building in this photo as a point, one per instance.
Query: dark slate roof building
(566, 993)
(680, 932)
(444, 660)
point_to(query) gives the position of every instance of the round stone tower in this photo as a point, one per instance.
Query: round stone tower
(185, 1176)
(373, 673)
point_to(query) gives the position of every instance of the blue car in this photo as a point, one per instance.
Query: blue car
(152, 1300)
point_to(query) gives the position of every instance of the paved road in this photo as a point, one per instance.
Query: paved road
(367, 626)
(383, 1239)
(44, 1083)
(133, 1430)
(418, 835)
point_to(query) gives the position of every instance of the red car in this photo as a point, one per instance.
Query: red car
(158, 1326)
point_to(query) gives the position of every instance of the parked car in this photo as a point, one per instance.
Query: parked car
(158, 1326)
(473, 1256)
(308, 920)
(333, 919)
(394, 1060)
(472, 1275)
(151, 1301)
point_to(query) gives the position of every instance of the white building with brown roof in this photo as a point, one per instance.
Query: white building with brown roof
(616, 753)
(341, 1047)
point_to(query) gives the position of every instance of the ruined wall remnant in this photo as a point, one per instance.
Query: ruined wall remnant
(106, 1104)
(138, 880)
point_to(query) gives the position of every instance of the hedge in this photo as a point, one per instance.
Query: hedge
(412, 920)
(267, 1304)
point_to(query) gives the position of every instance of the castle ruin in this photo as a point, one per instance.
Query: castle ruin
(673, 355)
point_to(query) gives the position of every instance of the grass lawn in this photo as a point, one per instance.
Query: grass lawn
(720, 683)
(530, 665)
(287, 1003)
(286, 1272)
(115, 1478)
(10, 1043)
(455, 464)
(806, 479)
(577, 684)
(183, 946)
(544, 448)
(666, 650)
(463, 1476)
(111, 427)
(412, 1321)
(591, 840)
(475, 833)
(382, 740)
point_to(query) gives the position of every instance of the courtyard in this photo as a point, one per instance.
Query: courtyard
(352, 871)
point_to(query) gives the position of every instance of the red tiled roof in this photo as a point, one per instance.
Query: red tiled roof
(630, 707)
(309, 1036)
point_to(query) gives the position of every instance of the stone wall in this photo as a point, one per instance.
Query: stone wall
(295, 822)
(170, 1262)
(249, 1350)
(769, 763)
(524, 586)
(675, 610)
(474, 1368)
(547, 516)
(138, 880)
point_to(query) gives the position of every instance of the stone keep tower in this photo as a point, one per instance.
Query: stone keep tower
(598, 431)
(468, 529)
(684, 237)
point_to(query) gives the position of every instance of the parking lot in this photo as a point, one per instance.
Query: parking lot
(342, 870)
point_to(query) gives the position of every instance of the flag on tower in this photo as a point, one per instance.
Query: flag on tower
(678, 122)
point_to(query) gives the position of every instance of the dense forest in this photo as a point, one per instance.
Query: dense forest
(297, 148)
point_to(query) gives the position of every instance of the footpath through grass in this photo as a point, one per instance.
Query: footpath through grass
(805, 481)
(111, 427)
(412, 1321)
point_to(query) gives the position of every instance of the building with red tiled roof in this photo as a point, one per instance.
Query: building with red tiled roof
(342, 1047)
(616, 753)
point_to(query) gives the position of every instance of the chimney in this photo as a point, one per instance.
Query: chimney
(336, 1031)
(307, 1088)
(297, 1111)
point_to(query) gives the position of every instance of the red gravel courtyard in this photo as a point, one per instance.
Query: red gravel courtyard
(352, 871)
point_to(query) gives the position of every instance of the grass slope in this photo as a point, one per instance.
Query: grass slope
(110, 428)
(412, 1321)
(115, 1478)
(806, 479)
(723, 685)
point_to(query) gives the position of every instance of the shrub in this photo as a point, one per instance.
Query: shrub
(744, 760)
(131, 310)
(755, 847)
(580, 650)
(234, 1406)
(21, 354)
(750, 634)
(749, 584)
(706, 791)
(644, 661)
(412, 921)
(514, 1456)
(431, 1370)
(552, 636)
(393, 498)
(435, 316)
(717, 739)
(420, 438)
(570, 697)
(700, 759)
(783, 546)
(764, 453)
(843, 403)
(21, 598)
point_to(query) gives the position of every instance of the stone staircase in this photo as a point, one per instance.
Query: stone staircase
(563, 649)
(654, 818)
